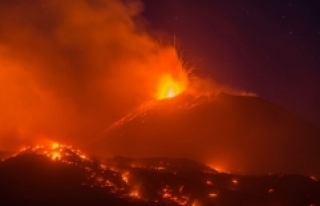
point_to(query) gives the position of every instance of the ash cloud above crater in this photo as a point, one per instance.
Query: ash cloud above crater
(69, 68)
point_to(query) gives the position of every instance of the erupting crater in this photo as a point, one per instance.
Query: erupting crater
(169, 86)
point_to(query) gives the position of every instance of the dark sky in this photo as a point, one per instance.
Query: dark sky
(268, 47)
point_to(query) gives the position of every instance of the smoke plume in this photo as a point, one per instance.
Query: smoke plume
(70, 68)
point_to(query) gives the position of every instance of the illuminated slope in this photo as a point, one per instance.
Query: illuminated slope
(64, 176)
(33, 178)
(234, 133)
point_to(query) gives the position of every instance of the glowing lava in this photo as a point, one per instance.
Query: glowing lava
(54, 145)
(163, 181)
(169, 87)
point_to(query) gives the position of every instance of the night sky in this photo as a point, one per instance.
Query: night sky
(270, 48)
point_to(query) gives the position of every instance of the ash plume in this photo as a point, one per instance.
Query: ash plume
(69, 68)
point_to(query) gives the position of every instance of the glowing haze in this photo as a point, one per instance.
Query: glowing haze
(70, 68)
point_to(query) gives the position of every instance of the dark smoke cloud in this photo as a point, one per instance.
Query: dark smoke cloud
(70, 68)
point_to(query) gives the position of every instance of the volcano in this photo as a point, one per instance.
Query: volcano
(241, 134)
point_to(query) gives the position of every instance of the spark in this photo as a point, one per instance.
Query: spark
(213, 195)
(209, 182)
(271, 190)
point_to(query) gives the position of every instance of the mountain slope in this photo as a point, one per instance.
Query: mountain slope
(236, 133)
(64, 176)
(31, 178)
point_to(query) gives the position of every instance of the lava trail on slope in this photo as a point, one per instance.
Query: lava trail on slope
(63, 175)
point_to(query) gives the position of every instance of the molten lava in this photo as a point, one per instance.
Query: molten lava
(169, 87)
(149, 181)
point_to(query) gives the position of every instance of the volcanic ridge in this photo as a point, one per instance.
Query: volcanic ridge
(62, 175)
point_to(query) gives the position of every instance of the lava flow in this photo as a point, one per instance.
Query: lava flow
(97, 175)
(120, 180)
(153, 181)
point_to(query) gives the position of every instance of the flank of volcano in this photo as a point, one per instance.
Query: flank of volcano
(242, 134)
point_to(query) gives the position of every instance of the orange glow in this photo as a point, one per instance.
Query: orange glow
(196, 203)
(169, 87)
(125, 177)
(54, 145)
(213, 195)
(271, 190)
(55, 155)
(219, 169)
(313, 178)
(134, 194)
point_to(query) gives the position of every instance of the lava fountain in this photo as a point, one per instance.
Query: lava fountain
(169, 87)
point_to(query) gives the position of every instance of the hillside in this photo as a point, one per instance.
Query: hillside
(64, 176)
(237, 133)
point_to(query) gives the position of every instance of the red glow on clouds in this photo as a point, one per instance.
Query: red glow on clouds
(69, 69)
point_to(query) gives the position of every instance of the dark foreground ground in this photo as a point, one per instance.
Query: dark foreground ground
(62, 176)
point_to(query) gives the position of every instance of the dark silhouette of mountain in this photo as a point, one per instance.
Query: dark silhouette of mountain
(242, 134)
(34, 179)
(62, 176)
